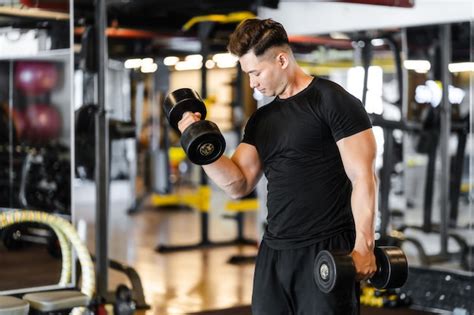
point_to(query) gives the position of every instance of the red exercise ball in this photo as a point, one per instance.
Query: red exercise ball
(36, 77)
(44, 123)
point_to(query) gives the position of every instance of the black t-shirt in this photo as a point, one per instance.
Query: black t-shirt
(309, 193)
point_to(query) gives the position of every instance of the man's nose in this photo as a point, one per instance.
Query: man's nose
(253, 84)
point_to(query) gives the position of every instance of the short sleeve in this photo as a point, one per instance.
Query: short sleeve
(249, 130)
(344, 113)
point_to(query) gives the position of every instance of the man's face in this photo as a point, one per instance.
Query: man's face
(265, 72)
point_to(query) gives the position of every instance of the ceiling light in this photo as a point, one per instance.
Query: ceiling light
(170, 60)
(420, 66)
(377, 42)
(225, 60)
(133, 63)
(210, 64)
(187, 65)
(148, 67)
(338, 35)
(461, 67)
(193, 58)
(147, 61)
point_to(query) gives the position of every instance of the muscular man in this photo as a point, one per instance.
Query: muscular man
(314, 142)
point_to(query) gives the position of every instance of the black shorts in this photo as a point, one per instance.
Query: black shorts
(284, 285)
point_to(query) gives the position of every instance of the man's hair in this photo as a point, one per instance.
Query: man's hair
(257, 35)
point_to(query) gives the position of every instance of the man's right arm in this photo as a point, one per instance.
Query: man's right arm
(237, 175)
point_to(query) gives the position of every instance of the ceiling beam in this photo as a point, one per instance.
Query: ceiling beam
(326, 17)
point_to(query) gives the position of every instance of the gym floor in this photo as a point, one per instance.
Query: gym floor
(174, 283)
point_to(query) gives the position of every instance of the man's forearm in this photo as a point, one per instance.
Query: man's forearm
(363, 208)
(228, 176)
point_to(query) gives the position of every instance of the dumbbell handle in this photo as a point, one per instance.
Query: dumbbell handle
(185, 120)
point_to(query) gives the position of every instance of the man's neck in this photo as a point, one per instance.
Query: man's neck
(296, 83)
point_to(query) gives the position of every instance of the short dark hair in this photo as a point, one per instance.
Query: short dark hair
(257, 35)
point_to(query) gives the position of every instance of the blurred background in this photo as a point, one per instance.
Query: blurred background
(83, 137)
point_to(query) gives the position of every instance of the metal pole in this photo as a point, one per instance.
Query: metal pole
(386, 171)
(430, 180)
(366, 61)
(445, 36)
(385, 175)
(204, 30)
(398, 66)
(404, 96)
(101, 156)
(10, 145)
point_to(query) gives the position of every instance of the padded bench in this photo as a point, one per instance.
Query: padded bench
(56, 300)
(10, 305)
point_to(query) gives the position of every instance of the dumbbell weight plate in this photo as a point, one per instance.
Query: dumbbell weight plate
(180, 101)
(392, 268)
(124, 304)
(203, 142)
(331, 271)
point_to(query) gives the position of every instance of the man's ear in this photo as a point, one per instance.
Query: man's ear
(282, 60)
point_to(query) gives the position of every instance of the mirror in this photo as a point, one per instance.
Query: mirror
(35, 137)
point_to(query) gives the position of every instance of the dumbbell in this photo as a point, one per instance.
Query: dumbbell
(202, 141)
(334, 270)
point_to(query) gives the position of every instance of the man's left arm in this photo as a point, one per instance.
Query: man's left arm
(358, 156)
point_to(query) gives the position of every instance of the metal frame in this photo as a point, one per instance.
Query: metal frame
(101, 155)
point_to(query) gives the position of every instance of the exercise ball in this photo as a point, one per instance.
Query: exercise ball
(35, 77)
(44, 123)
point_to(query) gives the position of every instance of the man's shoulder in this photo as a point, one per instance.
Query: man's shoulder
(327, 86)
(331, 92)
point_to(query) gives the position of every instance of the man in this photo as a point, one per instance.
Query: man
(315, 144)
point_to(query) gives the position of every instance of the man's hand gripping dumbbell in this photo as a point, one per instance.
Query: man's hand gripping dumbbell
(201, 139)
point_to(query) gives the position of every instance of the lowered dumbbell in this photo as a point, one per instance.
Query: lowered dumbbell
(202, 141)
(336, 270)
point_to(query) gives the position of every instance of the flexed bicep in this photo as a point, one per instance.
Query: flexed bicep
(247, 159)
(238, 175)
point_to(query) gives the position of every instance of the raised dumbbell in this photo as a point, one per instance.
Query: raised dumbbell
(202, 141)
(336, 269)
